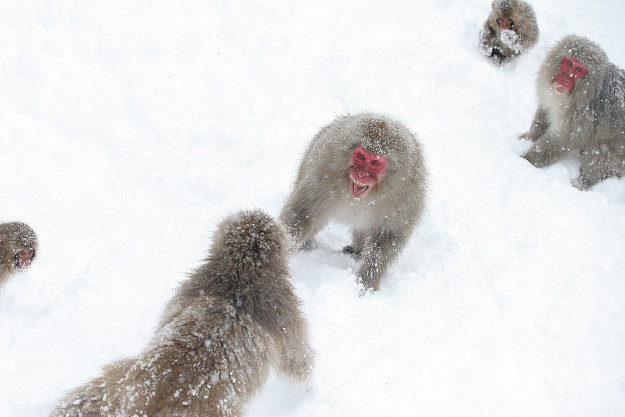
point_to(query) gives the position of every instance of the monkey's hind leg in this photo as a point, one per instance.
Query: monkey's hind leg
(598, 164)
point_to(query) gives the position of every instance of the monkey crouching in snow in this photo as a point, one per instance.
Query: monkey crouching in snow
(18, 247)
(366, 171)
(509, 30)
(581, 111)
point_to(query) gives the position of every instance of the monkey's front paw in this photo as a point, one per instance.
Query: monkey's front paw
(368, 286)
(511, 39)
(581, 183)
(535, 158)
(486, 49)
(364, 291)
(300, 368)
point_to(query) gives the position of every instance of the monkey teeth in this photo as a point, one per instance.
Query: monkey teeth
(358, 189)
(22, 265)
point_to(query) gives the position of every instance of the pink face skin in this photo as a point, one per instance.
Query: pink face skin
(24, 258)
(504, 23)
(571, 71)
(366, 170)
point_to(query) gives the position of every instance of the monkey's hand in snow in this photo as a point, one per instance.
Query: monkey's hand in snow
(511, 39)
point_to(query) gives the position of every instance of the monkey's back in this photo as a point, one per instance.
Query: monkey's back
(207, 361)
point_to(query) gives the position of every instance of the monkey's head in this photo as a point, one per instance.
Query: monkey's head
(377, 152)
(18, 245)
(366, 170)
(504, 13)
(573, 64)
(250, 238)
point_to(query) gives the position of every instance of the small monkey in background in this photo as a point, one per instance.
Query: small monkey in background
(18, 247)
(510, 30)
(235, 318)
(366, 171)
(581, 110)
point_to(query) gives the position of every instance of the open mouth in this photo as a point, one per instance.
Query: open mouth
(23, 265)
(359, 190)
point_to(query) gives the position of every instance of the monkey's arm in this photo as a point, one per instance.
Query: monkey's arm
(512, 40)
(539, 125)
(296, 359)
(301, 215)
(547, 150)
(488, 39)
(380, 251)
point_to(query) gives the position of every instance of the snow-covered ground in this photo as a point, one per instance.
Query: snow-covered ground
(129, 129)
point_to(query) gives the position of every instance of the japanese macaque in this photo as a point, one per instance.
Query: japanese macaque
(228, 325)
(510, 30)
(581, 111)
(366, 171)
(18, 247)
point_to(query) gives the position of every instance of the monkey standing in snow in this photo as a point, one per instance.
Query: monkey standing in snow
(367, 171)
(233, 320)
(510, 30)
(581, 110)
(18, 247)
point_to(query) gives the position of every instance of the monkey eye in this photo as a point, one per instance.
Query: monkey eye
(361, 156)
(376, 163)
(21, 253)
(578, 69)
(569, 63)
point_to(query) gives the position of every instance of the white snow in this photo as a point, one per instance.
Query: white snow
(130, 128)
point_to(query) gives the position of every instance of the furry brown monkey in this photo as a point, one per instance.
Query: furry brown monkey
(233, 320)
(18, 247)
(510, 30)
(581, 110)
(367, 171)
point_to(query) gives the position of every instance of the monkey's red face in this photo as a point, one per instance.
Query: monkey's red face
(571, 71)
(505, 23)
(24, 258)
(366, 170)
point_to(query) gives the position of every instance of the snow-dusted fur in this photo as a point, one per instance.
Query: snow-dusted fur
(14, 237)
(233, 320)
(501, 45)
(383, 221)
(590, 121)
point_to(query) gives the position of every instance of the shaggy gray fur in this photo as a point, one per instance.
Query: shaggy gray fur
(384, 220)
(14, 237)
(589, 121)
(501, 45)
(233, 320)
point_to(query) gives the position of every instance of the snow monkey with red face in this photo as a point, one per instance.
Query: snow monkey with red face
(510, 30)
(18, 247)
(366, 171)
(581, 111)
